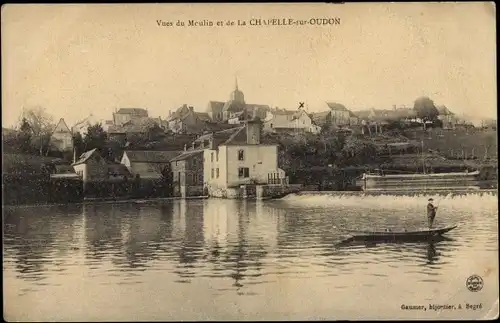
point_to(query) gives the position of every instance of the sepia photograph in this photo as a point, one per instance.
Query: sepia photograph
(244, 161)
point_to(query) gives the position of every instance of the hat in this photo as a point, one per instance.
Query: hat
(431, 200)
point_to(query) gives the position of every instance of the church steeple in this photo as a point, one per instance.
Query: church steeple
(237, 95)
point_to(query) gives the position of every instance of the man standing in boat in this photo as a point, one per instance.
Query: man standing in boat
(431, 212)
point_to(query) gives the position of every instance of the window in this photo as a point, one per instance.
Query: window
(243, 172)
(212, 158)
(271, 125)
(217, 155)
(241, 155)
(212, 173)
(217, 172)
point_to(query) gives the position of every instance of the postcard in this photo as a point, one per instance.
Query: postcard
(239, 161)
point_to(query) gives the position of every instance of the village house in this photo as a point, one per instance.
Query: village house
(93, 168)
(61, 138)
(241, 159)
(337, 116)
(224, 111)
(125, 115)
(186, 120)
(135, 127)
(376, 120)
(281, 120)
(147, 164)
(83, 125)
(447, 117)
(187, 171)
(340, 115)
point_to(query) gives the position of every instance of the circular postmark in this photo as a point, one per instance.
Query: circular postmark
(474, 283)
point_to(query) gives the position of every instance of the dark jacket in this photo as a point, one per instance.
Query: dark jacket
(431, 210)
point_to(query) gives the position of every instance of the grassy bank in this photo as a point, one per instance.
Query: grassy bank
(458, 143)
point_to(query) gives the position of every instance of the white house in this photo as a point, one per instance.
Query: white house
(286, 120)
(340, 115)
(302, 120)
(241, 159)
(83, 125)
(62, 138)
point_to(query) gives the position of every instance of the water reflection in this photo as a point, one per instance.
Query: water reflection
(229, 245)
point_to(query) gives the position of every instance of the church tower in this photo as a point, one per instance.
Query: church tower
(237, 96)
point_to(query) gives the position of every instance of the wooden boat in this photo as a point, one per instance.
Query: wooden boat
(422, 234)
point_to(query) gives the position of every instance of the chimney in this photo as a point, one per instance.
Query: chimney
(184, 105)
(169, 113)
(253, 132)
(394, 107)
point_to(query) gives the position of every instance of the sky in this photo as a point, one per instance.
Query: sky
(76, 60)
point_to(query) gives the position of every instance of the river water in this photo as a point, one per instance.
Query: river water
(231, 259)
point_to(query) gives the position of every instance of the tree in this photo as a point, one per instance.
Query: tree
(166, 179)
(425, 109)
(326, 128)
(356, 152)
(24, 136)
(114, 149)
(96, 137)
(155, 132)
(41, 124)
(78, 143)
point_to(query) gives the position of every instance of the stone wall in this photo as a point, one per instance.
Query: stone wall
(229, 193)
(276, 191)
(254, 191)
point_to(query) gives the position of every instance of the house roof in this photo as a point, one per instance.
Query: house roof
(283, 112)
(187, 154)
(180, 113)
(61, 127)
(216, 127)
(237, 137)
(132, 111)
(233, 106)
(118, 169)
(85, 156)
(336, 106)
(203, 116)
(443, 110)
(215, 105)
(320, 118)
(223, 134)
(139, 125)
(148, 156)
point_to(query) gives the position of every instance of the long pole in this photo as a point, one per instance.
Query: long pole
(423, 158)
